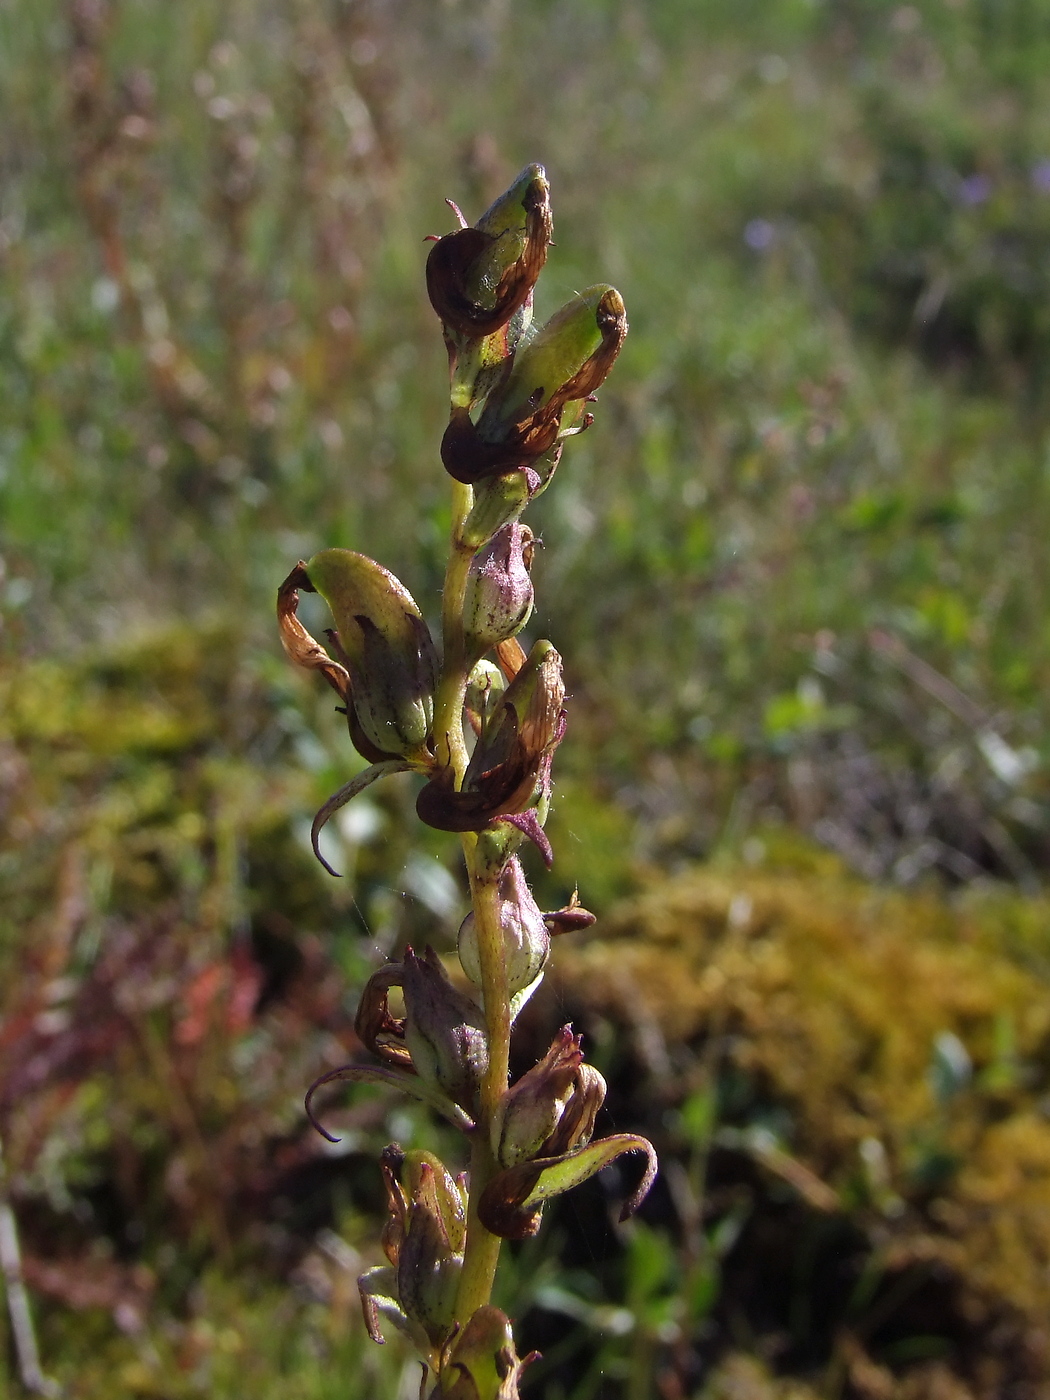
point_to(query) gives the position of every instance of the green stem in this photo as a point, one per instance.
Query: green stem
(481, 1253)
(448, 702)
(492, 955)
(482, 1249)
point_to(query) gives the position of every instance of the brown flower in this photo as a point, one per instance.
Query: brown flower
(477, 278)
(510, 767)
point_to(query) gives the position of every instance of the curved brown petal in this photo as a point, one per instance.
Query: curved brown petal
(376, 1028)
(303, 649)
(462, 266)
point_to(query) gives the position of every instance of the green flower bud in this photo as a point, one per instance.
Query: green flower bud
(481, 1363)
(424, 1239)
(526, 937)
(498, 500)
(564, 363)
(477, 278)
(387, 650)
(497, 600)
(567, 359)
(532, 1108)
(485, 687)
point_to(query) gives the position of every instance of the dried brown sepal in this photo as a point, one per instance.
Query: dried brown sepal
(376, 1028)
(307, 652)
(511, 657)
(449, 266)
(303, 649)
(391, 1161)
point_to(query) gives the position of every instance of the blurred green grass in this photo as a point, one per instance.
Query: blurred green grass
(797, 569)
(827, 223)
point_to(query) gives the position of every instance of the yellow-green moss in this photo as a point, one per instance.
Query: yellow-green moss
(834, 996)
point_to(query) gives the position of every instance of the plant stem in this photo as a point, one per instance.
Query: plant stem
(493, 958)
(481, 1253)
(482, 1249)
(448, 702)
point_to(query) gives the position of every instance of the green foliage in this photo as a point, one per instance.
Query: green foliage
(805, 445)
(239, 1337)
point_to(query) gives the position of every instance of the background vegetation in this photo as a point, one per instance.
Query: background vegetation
(797, 569)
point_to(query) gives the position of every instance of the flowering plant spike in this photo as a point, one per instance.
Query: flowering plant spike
(478, 718)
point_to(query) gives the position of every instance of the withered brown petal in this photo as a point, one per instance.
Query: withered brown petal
(501, 792)
(448, 270)
(376, 1028)
(500, 1209)
(576, 1126)
(511, 657)
(570, 918)
(303, 649)
(469, 458)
